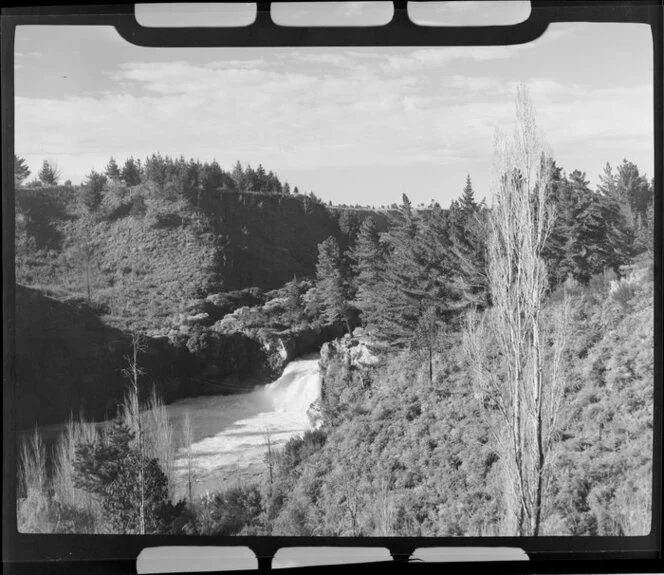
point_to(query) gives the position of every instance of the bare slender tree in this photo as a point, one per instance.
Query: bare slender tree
(351, 496)
(269, 455)
(427, 336)
(517, 367)
(82, 257)
(133, 373)
(158, 435)
(382, 499)
(188, 438)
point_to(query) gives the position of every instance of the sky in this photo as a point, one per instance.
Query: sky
(353, 125)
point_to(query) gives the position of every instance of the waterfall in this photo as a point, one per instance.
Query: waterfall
(231, 431)
(297, 388)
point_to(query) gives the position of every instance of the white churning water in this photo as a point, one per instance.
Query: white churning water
(231, 432)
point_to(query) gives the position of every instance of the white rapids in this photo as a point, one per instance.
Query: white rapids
(231, 432)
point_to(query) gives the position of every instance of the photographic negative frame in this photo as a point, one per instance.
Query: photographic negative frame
(117, 553)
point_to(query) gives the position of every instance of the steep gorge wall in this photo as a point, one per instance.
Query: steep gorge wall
(150, 261)
(69, 362)
(268, 238)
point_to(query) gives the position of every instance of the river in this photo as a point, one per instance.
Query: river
(230, 432)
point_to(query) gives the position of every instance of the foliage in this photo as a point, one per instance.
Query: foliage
(516, 363)
(131, 172)
(236, 511)
(604, 463)
(418, 265)
(331, 285)
(368, 261)
(399, 456)
(92, 190)
(21, 170)
(112, 171)
(49, 173)
(405, 447)
(162, 246)
(110, 470)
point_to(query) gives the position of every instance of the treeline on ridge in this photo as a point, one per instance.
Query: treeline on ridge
(431, 264)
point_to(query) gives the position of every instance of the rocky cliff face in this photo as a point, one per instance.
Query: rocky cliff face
(346, 368)
(68, 360)
(354, 350)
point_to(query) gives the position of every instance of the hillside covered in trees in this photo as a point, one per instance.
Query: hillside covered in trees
(486, 369)
(143, 242)
(167, 248)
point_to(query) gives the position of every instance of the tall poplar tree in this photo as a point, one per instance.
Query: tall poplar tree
(517, 382)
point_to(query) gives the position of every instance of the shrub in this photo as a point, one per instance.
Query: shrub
(32, 476)
(110, 470)
(92, 191)
(299, 448)
(232, 511)
(116, 202)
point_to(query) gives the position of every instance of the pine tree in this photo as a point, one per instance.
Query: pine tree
(368, 265)
(331, 287)
(607, 185)
(261, 181)
(293, 305)
(349, 225)
(467, 247)
(112, 171)
(131, 172)
(250, 182)
(109, 469)
(212, 177)
(286, 189)
(238, 176)
(564, 251)
(613, 224)
(416, 277)
(49, 174)
(92, 190)
(21, 170)
(633, 188)
(157, 169)
(619, 232)
(646, 230)
(592, 230)
(467, 201)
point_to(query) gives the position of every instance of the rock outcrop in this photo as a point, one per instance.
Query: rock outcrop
(346, 364)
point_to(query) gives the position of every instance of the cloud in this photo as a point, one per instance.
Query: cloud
(241, 64)
(20, 57)
(326, 108)
(325, 58)
(428, 57)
